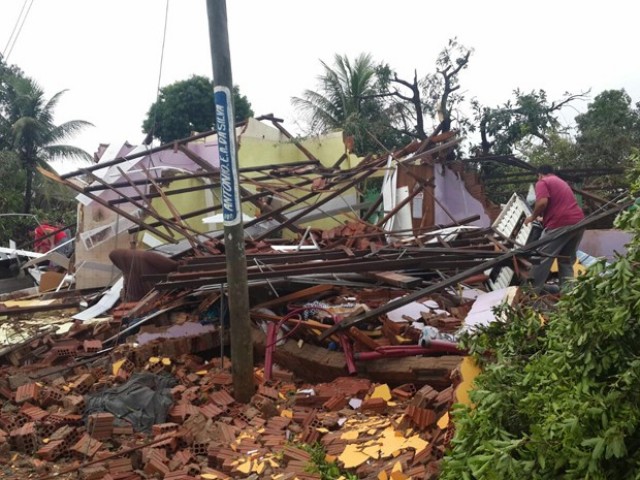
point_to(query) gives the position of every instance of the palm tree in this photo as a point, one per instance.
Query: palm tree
(349, 98)
(30, 131)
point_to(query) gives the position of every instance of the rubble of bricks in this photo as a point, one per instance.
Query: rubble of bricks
(366, 428)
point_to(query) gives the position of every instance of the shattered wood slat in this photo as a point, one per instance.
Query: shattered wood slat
(38, 308)
(415, 231)
(248, 198)
(297, 201)
(298, 295)
(213, 262)
(179, 224)
(126, 158)
(596, 198)
(423, 152)
(244, 193)
(317, 364)
(417, 188)
(276, 123)
(283, 261)
(170, 192)
(350, 184)
(144, 181)
(12, 348)
(363, 339)
(506, 257)
(132, 218)
(138, 190)
(197, 279)
(396, 279)
(147, 208)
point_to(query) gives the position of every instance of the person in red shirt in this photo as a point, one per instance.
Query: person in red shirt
(45, 237)
(48, 236)
(557, 205)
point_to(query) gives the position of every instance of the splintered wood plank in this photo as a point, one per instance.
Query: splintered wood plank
(317, 364)
(306, 293)
(396, 279)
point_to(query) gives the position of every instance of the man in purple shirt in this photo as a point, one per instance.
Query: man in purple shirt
(559, 209)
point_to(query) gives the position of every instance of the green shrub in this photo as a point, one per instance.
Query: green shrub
(559, 400)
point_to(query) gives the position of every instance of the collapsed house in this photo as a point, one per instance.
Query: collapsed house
(361, 272)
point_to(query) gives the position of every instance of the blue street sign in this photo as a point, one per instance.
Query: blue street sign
(231, 210)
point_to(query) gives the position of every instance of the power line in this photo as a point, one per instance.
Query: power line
(155, 110)
(17, 28)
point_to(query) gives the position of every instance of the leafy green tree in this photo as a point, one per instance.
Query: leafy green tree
(11, 193)
(187, 106)
(53, 203)
(528, 116)
(28, 125)
(528, 126)
(560, 151)
(7, 72)
(559, 398)
(349, 98)
(606, 134)
(608, 130)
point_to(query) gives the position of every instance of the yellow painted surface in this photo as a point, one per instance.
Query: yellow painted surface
(443, 422)
(115, 368)
(373, 451)
(351, 457)
(392, 441)
(349, 435)
(469, 371)
(286, 413)
(578, 268)
(416, 443)
(383, 476)
(259, 467)
(398, 476)
(244, 467)
(397, 467)
(383, 392)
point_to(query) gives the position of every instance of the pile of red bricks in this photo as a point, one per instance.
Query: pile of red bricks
(207, 434)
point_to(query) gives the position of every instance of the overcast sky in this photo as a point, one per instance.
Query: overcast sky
(107, 53)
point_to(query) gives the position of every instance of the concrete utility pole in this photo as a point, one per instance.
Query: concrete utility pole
(241, 342)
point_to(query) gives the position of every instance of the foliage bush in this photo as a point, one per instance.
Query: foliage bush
(319, 464)
(52, 203)
(560, 398)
